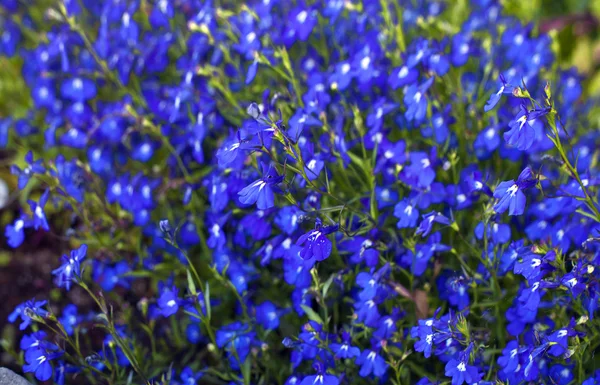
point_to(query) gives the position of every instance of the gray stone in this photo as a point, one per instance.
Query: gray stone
(8, 377)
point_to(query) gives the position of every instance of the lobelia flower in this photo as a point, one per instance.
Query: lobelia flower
(533, 266)
(428, 220)
(261, 190)
(522, 134)
(407, 214)
(510, 193)
(371, 362)
(78, 89)
(15, 233)
(345, 349)
(460, 370)
(321, 378)
(267, 315)
(33, 167)
(403, 76)
(38, 360)
(168, 302)
(235, 337)
(25, 310)
(416, 102)
(188, 377)
(559, 340)
(316, 244)
(505, 88)
(71, 267)
(39, 217)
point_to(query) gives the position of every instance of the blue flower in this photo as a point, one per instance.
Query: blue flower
(38, 361)
(406, 213)
(33, 167)
(371, 363)
(78, 89)
(424, 332)
(510, 193)
(25, 310)
(39, 217)
(522, 133)
(428, 220)
(403, 76)
(416, 102)
(316, 244)
(70, 177)
(267, 315)
(16, 232)
(168, 302)
(261, 190)
(71, 268)
(345, 349)
(188, 377)
(505, 88)
(461, 371)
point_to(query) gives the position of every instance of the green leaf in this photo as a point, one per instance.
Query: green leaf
(191, 284)
(312, 315)
(327, 285)
(207, 300)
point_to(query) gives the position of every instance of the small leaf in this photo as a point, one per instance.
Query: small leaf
(207, 300)
(312, 315)
(327, 285)
(191, 285)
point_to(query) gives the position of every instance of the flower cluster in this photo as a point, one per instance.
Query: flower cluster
(310, 192)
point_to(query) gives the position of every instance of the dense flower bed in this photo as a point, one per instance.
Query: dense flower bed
(288, 192)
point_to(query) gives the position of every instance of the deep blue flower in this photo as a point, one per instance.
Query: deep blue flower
(71, 267)
(403, 76)
(345, 348)
(416, 101)
(32, 168)
(37, 208)
(371, 363)
(522, 133)
(315, 242)
(15, 233)
(38, 361)
(505, 88)
(267, 315)
(78, 89)
(407, 214)
(26, 310)
(510, 193)
(70, 176)
(461, 371)
(168, 301)
(188, 377)
(428, 220)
